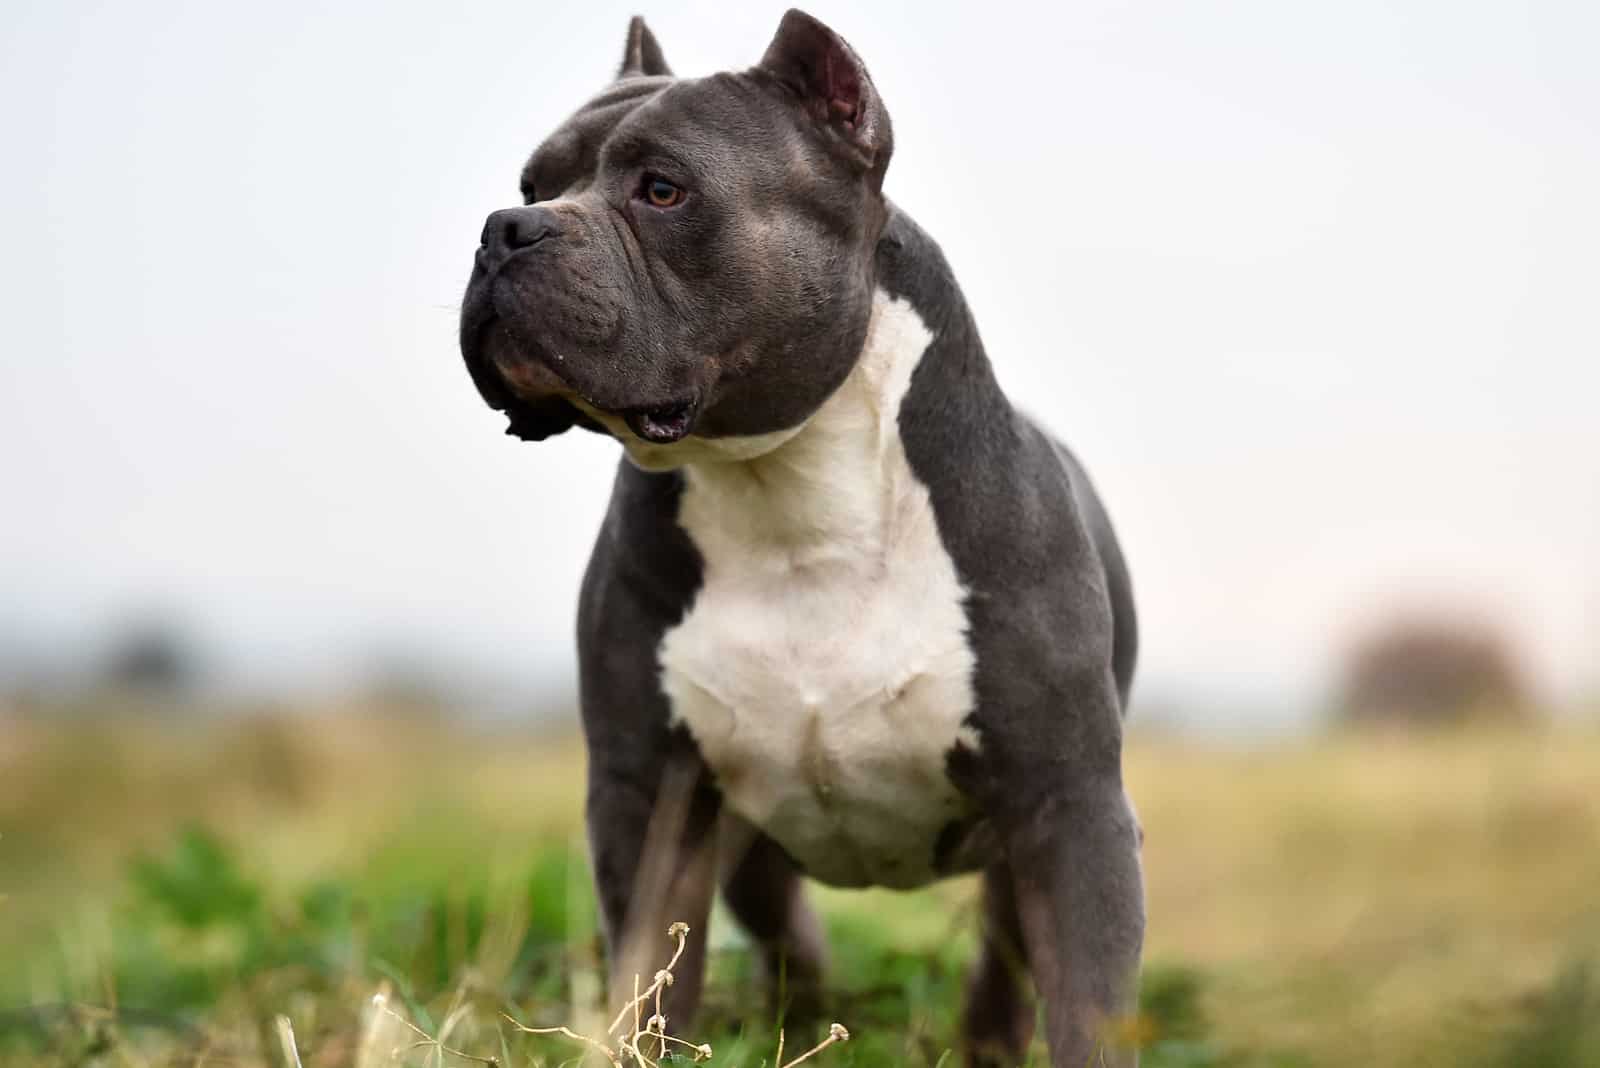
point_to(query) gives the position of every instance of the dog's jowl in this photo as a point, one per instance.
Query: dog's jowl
(851, 615)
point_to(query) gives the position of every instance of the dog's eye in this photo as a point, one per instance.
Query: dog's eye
(660, 192)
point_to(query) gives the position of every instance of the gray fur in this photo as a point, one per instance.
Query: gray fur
(746, 306)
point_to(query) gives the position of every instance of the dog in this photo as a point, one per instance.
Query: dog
(850, 614)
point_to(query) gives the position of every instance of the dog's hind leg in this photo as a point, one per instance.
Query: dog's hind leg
(1000, 1007)
(765, 893)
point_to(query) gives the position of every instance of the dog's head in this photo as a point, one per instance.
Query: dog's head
(693, 266)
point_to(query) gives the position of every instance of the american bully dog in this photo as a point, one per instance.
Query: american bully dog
(851, 615)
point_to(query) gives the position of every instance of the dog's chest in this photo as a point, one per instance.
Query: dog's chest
(823, 668)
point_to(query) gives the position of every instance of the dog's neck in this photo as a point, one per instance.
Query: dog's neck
(834, 487)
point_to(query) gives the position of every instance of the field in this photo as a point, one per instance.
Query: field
(172, 886)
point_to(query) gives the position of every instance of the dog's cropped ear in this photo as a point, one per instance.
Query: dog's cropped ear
(832, 84)
(642, 56)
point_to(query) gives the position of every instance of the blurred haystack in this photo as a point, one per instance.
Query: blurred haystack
(1434, 671)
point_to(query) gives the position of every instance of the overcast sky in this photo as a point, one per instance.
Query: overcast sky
(1313, 289)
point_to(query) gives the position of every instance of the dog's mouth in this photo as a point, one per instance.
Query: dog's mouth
(657, 424)
(662, 425)
(535, 381)
(519, 379)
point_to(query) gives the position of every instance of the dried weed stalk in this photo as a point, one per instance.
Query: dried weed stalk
(643, 1042)
(647, 1041)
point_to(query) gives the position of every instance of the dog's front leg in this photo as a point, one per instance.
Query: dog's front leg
(653, 843)
(1080, 901)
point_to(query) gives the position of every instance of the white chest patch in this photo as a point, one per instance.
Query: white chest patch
(824, 668)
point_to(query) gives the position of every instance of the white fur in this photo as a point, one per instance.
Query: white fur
(824, 668)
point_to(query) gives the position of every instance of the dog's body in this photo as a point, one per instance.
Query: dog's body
(823, 668)
(847, 602)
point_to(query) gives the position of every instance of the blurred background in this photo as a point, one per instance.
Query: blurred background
(1311, 289)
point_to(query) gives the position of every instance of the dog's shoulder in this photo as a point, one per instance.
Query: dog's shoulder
(1017, 512)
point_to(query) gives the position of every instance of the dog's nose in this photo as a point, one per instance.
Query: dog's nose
(510, 229)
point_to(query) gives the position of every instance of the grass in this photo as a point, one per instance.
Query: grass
(172, 888)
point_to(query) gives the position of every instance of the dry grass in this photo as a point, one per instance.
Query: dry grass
(1356, 895)
(1361, 899)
